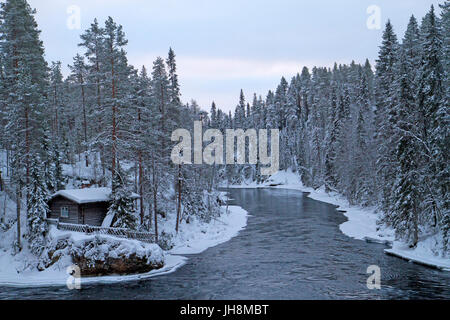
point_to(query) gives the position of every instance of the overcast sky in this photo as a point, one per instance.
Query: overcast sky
(223, 46)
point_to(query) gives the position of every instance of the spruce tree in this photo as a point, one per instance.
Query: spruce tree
(78, 78)
(48, 166)
(37, 207)
(56, 97)
(25, 81)
(404, 212)
(121, 206)
(385, 114)
(434, 116)
(443, 134)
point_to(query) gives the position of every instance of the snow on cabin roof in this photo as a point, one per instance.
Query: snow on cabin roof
(88, 195)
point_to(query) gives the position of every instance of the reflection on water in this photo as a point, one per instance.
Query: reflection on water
(292, 249)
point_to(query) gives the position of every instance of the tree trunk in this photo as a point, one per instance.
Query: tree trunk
(155, 204)
(8, 172)
(19, 198)
(163, 126)
(83, 98)
(55, 129)
(141, 188)
(27, 146)
(415, 226)
(179, 198)
(114, 129)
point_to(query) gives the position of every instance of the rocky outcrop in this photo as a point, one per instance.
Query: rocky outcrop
(103, 255)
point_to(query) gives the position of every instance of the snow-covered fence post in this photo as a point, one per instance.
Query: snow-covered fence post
(117, 232)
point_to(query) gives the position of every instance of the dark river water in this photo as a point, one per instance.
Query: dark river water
(292, 248)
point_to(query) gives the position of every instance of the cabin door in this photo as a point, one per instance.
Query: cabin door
(81, 219)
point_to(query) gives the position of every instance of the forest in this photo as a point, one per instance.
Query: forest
(378, 134)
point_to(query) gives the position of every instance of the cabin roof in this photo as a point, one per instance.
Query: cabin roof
(88, 195)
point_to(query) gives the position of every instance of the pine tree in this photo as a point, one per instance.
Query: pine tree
(281, 102)
(404, 212)
(434, 115)
(213, 114)
(239, 114)
(79, 76)
(172, 118)
(444, 132)
(117, 72)
(56, 95)
(330, 178)
(158, 137)
(161, 104)
(143, 114)
(405, 218)
(121, 206)
(25, 76)
(271, 117)
(48, 167)
(37, 207)
(385, 114)
(93, 40)
(174, 87)
(57, 167)
(364, 156)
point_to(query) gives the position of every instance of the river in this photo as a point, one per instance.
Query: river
(292, 248)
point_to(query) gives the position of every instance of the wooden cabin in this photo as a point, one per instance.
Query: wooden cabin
(81, 206)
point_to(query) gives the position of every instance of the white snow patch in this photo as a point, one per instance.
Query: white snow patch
(197, 236)
(88, 195)
(52, 277)
(20, 270)
(108, 220)
(424, 253)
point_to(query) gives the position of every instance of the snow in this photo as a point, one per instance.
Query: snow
(10, 277)
(88, 195)
(80, 171)
(108, 221)
(194, 237)
(7, 208)
(362, 222)
(424, 253)
(18, 270)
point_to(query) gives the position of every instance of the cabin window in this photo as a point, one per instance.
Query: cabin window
(64, 212)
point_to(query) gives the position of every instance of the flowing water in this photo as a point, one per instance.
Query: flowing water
(292, 248)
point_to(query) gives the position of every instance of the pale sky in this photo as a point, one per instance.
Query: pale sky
(223, 46)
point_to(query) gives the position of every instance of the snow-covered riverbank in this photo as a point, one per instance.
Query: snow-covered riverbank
(195, 237)
(362, 222)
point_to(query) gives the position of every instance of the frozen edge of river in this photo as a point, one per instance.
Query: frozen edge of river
(362, 222)
(197, 238)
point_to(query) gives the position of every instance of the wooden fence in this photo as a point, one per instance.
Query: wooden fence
(116, 232)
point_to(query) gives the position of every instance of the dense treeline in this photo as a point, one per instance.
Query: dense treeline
(379, 138)
(105, 114)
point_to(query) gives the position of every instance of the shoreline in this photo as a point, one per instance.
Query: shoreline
(229, 226)
(361, 224)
